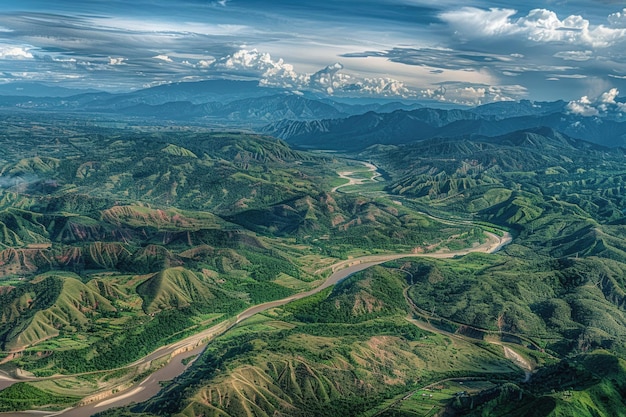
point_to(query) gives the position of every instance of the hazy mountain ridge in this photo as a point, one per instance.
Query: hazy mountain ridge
(216, 101)
(506, 109)
(358, 132)
(308, 120)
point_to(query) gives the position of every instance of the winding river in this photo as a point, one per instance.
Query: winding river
(195, 344)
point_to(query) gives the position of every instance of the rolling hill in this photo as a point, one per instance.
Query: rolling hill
(341, 352)
(115, 241)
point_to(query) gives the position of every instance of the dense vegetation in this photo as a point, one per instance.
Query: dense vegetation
(114, 242)
(23, 396)
(293, 367)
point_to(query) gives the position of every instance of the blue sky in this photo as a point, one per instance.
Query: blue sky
(477, 52)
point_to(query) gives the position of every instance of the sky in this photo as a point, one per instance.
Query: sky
(470, 52)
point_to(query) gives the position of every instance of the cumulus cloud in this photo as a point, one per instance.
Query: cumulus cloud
(15, 52)
(473, 94)
(379, 86)
(116, 61)
(438, 94)
(539, 25)
(618, 19)
(163, 58)
(331, 80)
(272, 72)
(327, 78)
(603, 105)
(582, 107)
(205, 63)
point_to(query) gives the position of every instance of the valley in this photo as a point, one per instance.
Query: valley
(165, 362)
(392, 208)
(175, 353)
(157, 271)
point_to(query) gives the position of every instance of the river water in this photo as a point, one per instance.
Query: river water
(150, 386)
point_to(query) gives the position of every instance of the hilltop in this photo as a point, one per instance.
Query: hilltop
(117, 240)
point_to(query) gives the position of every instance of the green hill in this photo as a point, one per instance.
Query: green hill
(359, 351)
(46, 307)
(589, 385)
(173, 288)
(340, 223)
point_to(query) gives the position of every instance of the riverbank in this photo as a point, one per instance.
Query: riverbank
(177, 352)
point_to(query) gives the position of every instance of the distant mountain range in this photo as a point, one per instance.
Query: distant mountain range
(212, 101)
(310, 121)
(361, 131)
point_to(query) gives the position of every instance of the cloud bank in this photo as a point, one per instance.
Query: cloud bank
(603, 105)
(539, 25)
(394, 48)
(330, 79)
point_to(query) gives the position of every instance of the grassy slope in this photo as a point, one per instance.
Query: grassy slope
(555, 303)
(589, 385)
(561, 283)
(128, 222)
(341, 352)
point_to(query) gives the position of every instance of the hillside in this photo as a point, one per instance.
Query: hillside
(48, 307)
(142, 236)
(349, 350)
(118, 241)
(343, 222)
(105, 231)
(172, 288)
(341, 353)
(356, 133)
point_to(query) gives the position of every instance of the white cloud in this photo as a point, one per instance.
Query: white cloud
(163, 58)
(244, 59)
(438, 94)
(618, 19)
(272, 72)
(582, 107)
(327, 79)
(470, 21)
(601, 106)
(580, 56)
(474, 95)
(609, 96)
(116, 61)
(331, 79)
(382, 86)
(571, 76)
(14, 52)
(539, 25)
(205, 63)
